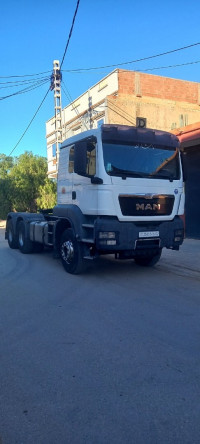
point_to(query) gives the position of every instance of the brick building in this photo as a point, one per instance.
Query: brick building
(129, 98)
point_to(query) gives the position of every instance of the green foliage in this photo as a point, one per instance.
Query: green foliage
(6, 164)
(24, 185)
(5, 197)
(47, 195)
(28, 174)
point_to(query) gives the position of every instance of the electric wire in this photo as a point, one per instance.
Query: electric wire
(79, 70)
(67, 93)
(134, 61)
(125, 114)
(13, 84)
(70, 32)
(25, 75)
(139, 69)
(24, 90)
(30, 122)
(171, 66)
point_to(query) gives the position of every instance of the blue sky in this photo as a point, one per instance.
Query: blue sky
(106, 32)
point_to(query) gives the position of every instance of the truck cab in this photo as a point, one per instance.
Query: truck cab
(119, 191)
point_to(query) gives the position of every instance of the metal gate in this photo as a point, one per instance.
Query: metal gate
(192, 192)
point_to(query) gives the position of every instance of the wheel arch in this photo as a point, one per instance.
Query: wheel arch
(69, 216)
(61, 226)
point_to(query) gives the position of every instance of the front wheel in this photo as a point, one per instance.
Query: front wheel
(148, 261)
(71, 252)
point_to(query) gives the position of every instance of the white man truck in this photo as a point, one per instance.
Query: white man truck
(120, 191)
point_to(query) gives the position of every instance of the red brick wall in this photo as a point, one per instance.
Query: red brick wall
(157, 86)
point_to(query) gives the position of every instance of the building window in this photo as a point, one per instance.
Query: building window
(54, 149)
(77, 130)
(173, 125)
(100, 122)
(75, 104)
(103, 84)
(183, 120)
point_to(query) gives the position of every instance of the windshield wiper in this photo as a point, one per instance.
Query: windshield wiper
(126, 173)
(169, 177)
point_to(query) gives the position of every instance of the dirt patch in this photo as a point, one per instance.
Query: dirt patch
(2, 225)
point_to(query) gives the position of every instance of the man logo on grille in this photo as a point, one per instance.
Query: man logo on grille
(143, 207)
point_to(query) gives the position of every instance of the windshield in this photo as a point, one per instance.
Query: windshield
(141, 160)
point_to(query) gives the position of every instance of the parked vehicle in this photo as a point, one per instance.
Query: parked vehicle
(119, 191)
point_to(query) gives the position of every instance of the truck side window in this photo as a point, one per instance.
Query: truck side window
(71, 160)
(91, 159)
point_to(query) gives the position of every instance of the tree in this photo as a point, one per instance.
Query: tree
(28, 175)
(47, 194)
(24, 185)
(6, 164)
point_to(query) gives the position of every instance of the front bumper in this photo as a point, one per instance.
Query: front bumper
(169, 234)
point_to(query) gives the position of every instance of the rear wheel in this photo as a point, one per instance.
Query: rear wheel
(37, 247)
(25, 244)
(12, 238)
(148, 261)
(71, 252)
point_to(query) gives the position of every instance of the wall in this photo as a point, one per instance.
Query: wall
(149, 85)
(160, 113)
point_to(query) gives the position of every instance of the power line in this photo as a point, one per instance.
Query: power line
(70, 33)
(12, 84)
(171, 66)
(134, 61)
(25, 75)
(30, 122)
(67, 93)
(24, 90)
(143, 70)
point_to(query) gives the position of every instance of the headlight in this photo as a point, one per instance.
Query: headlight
(106, 235)
(107, 238)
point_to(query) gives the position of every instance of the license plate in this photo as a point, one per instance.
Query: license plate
(149, 234)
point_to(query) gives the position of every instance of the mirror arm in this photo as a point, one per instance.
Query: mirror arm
(96, 180)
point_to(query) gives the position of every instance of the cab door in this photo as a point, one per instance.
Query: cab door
(84, 192)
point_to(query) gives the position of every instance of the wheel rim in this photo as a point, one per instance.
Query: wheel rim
(67, 251)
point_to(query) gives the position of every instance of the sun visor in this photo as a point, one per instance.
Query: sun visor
(131, 134)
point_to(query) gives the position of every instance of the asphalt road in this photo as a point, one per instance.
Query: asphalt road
(109, 357)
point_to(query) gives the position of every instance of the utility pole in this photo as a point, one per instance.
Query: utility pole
(90, 109)
(56, 78)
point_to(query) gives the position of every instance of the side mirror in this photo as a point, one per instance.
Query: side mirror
(80, 158)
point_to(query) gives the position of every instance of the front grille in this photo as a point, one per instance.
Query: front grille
(161, 205)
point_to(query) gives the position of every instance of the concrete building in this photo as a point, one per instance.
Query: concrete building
(129, 98)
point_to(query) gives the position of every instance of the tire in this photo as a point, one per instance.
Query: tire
(71, 252)
(12, 238)
(148, 261)
(25, 245)
(37, 247)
